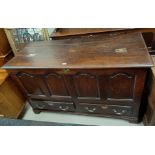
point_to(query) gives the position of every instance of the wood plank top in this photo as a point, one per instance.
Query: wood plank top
(107, 51)
(68, 32)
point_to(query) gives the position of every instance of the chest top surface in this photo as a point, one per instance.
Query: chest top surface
(125, 50)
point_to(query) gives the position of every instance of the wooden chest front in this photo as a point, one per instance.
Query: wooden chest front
(111, 92)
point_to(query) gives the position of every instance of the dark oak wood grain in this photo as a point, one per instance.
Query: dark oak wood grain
(101, 52)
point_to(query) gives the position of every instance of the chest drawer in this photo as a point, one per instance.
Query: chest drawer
(50, 105)
(106, 109)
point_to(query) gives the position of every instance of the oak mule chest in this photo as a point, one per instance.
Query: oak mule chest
(98, 76)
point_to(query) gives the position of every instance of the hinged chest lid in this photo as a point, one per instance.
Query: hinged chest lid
(125, 50)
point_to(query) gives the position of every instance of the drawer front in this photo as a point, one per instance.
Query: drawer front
(50, 105)
(106, 109)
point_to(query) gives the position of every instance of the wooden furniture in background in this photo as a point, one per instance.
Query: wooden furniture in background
(66, 33)
(101, 76)
(149, 117)
(5, 49)
(12, 101)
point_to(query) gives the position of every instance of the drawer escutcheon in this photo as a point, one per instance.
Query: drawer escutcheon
(64, 109)
(90, 110)
(119, 113)
(40, 106)
(104, 107)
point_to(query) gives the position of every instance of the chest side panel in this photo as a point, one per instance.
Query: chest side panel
(121, 86)
(32, 83)
(86, 85)
(56, 84)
